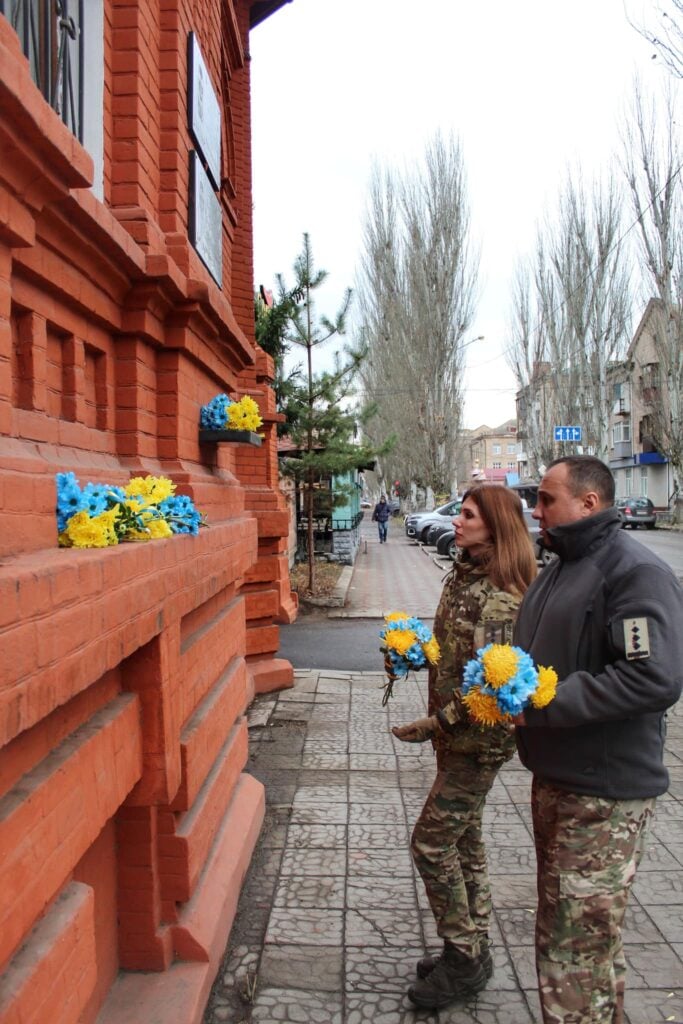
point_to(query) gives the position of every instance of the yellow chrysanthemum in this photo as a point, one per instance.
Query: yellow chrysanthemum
(432, 651)
(152, 488)
(107, 521)
(244, 415)
(84, 532)
(396, 616)
(400, 640)
(547, 687)
(159, 528)
(500, 664)
(483, 708)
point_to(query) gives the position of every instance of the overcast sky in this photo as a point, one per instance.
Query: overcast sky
(529, 88)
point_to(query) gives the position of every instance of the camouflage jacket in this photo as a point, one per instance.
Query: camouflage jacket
(472, 612)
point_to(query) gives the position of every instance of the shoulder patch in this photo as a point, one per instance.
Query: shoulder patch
(636, 639)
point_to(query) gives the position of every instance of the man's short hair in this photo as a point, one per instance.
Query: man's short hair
(586, 473)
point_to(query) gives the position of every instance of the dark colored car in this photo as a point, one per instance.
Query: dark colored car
(435, 531)
(636, 512)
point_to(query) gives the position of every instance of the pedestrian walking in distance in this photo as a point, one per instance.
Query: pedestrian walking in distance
(607, 615)
(381, 516)
(478, 605)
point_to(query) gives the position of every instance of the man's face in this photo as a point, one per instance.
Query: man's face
(556, 505)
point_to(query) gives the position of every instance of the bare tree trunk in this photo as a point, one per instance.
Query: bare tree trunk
(417, 291)
(571, 321)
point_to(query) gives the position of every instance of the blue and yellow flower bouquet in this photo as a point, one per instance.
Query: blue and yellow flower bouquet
(223, 413)
(406, 644)
(100, 515)
(502, 681)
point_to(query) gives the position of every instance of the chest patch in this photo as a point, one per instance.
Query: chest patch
(636, 639)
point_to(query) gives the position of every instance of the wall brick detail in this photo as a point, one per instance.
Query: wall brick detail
(127, 816)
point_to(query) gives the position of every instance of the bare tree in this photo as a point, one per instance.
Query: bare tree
(416, 291)
(571, 316)
(652, 163)
(667, 35)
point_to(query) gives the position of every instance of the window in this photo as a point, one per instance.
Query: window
(512, 465)
(643, 481)
(512, 449)
(496, 449)
(621, 432)
(497, 465)
(53, 35)
(628, 488)
(50, 36)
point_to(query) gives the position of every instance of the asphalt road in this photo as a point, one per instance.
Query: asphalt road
(314, 641)
(349, 645)
(668, 544)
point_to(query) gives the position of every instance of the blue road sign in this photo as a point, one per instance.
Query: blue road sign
(567, 433)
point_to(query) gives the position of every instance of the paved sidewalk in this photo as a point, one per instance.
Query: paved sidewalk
(397, 575)
(332, 917)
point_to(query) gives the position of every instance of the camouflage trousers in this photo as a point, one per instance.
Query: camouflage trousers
(448, 850)
(587, 849)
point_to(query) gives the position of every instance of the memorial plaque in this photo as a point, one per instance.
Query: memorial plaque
(204, 112)
(206, 220)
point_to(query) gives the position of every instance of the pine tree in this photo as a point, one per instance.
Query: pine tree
(321, 419)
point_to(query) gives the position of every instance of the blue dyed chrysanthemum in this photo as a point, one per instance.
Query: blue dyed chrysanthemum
(180, 513)
(96, 498)
(214, 415)
(70, 499)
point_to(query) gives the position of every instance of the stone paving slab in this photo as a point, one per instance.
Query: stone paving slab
(333, 917)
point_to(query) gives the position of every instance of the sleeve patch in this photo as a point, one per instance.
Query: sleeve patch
(636, 639)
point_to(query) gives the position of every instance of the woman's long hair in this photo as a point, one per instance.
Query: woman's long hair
(509, 558)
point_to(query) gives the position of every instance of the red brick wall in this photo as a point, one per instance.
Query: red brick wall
(127, 820)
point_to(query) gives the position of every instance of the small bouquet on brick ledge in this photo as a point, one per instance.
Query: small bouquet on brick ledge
(502, 681)
(222, 413)
(100, 515)
(406, 644)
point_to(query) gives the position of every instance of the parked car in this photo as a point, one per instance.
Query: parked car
(394, 506)
(417, 522)
(446, 546)
(365, 503)
(435, 531)
(636, 512)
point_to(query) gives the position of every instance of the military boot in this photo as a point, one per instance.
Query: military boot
(455, 976)
(426, 965)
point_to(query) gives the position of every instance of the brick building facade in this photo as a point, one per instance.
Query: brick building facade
(127, 821)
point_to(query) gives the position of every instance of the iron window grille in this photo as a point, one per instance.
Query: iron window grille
(51, 37)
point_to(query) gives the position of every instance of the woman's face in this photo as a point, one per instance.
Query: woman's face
(471, 531)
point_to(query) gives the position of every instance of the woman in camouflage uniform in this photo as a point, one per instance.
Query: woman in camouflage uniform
(478, 606)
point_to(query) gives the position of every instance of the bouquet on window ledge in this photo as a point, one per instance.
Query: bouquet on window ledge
(222, 413)
(406, 644)
(100, 515)
(502, 681)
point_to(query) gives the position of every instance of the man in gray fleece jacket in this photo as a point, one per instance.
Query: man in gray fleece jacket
(607, 615)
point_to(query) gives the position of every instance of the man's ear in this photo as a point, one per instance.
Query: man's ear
(591, 503)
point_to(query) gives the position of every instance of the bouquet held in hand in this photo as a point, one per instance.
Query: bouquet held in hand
(406, 643)
(502, 681)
